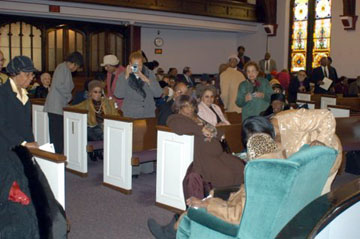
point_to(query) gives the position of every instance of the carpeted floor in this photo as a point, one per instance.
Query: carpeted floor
(97, 212)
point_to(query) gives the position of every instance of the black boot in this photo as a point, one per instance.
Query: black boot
(162, 232)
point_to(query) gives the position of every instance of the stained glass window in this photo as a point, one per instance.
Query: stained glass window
(322, 31)
(319, 25)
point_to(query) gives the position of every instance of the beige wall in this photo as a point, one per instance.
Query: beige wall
(345, 45)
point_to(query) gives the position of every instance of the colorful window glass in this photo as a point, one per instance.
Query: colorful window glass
(320, 28)
(322, 31)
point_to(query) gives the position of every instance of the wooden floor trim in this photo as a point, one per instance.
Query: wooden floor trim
(124, 191)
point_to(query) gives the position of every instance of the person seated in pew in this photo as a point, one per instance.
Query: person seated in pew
(210, 161)
(208, 111)
(294, 128)
(138, 87)
(165, 110)
(342, 86)
(277, 104)
(97, 106)
(300, 83)
(42, 90)
(258, 138)
(354, 87)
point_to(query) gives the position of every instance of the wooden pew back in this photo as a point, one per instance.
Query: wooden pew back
(233, 136)
(233, 117)
(144, 134)
(348, 131)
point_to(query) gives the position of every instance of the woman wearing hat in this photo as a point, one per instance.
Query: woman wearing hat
(17, 209)
(97, 106)
(59, 96)
(114, 69)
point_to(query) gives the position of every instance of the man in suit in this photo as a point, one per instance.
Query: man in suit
(59, 96)
(242, 58)
(186, 77)
(267, 65)
(321, 72)
(230, 80)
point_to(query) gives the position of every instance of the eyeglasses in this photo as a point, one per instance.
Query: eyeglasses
(97, 92)
(209, 96)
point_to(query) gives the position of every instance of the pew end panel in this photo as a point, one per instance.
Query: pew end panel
(340, 111)
(118, 143)
(233, 136)
(40, 123)
(303, 97)
(53, 166)
(174, 155)
(311, 104)
(326, 100)
(75, 140)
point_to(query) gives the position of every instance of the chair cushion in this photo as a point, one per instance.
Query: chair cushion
(146, 156)
(202, 217)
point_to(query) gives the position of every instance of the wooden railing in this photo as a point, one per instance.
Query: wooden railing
(231, 9)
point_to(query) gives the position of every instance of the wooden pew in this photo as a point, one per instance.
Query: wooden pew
(311, 104)
(326, 100)
(174, 155)
(348, 131)
(75, 140)
(124, 138)
(353, 102)
(53, 166)
(340, 111)
(233, 136)
(233, 117)
(40, 121)
(303, 97)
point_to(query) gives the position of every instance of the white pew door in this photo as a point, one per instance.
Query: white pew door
(339, 113)
(118, 137)
(174, 155)
(75, 141)
(55, 174)
(40, 124)
(325, 101)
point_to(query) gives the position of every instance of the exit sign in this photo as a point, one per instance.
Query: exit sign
(54, 8)
(158, 51)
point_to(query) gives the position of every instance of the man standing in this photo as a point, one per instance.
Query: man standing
(242, 58)
(267, 65)
(230, 80)
(186, 77)
(320, 73)
(59, 96)
(114, 69)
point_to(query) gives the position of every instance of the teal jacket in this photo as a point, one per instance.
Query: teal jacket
(256, 105)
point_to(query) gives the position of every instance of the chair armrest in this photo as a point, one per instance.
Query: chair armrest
(204, 218)
(224, 192)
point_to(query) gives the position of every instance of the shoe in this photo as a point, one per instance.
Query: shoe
(162, 232)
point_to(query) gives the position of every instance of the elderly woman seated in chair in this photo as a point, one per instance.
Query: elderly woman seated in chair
(97, 106)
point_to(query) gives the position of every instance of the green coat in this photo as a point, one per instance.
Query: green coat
(256, 105)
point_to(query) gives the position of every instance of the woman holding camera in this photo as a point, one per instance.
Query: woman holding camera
(254, 93)
(138, 87)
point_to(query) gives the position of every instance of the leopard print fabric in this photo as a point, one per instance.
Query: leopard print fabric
(260, 144)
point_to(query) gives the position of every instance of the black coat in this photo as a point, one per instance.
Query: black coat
(294, 88)
(41, 92)
(318, 75)
(15, 119)
(241, 65)
(165, 110)
(181, 78)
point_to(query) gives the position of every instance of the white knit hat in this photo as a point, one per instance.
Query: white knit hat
(234, 56)
(110, 60)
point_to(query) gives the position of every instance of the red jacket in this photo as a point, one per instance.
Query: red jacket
(111, 88)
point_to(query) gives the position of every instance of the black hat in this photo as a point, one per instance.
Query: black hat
(76, 57)
(20, 64)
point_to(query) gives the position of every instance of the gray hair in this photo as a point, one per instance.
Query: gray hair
(201, 89)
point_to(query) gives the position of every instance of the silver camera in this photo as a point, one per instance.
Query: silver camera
(135, 68)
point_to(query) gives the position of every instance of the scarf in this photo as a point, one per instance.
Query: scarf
(137, 84)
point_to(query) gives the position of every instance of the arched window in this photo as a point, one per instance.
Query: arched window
(104, 43)
(60, 43)
(20, 38)
(310, 33)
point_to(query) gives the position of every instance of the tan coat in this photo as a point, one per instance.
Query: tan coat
(108, 107)
(230, 80)
(299, 127)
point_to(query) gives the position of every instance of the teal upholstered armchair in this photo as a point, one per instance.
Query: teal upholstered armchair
(276, 190)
